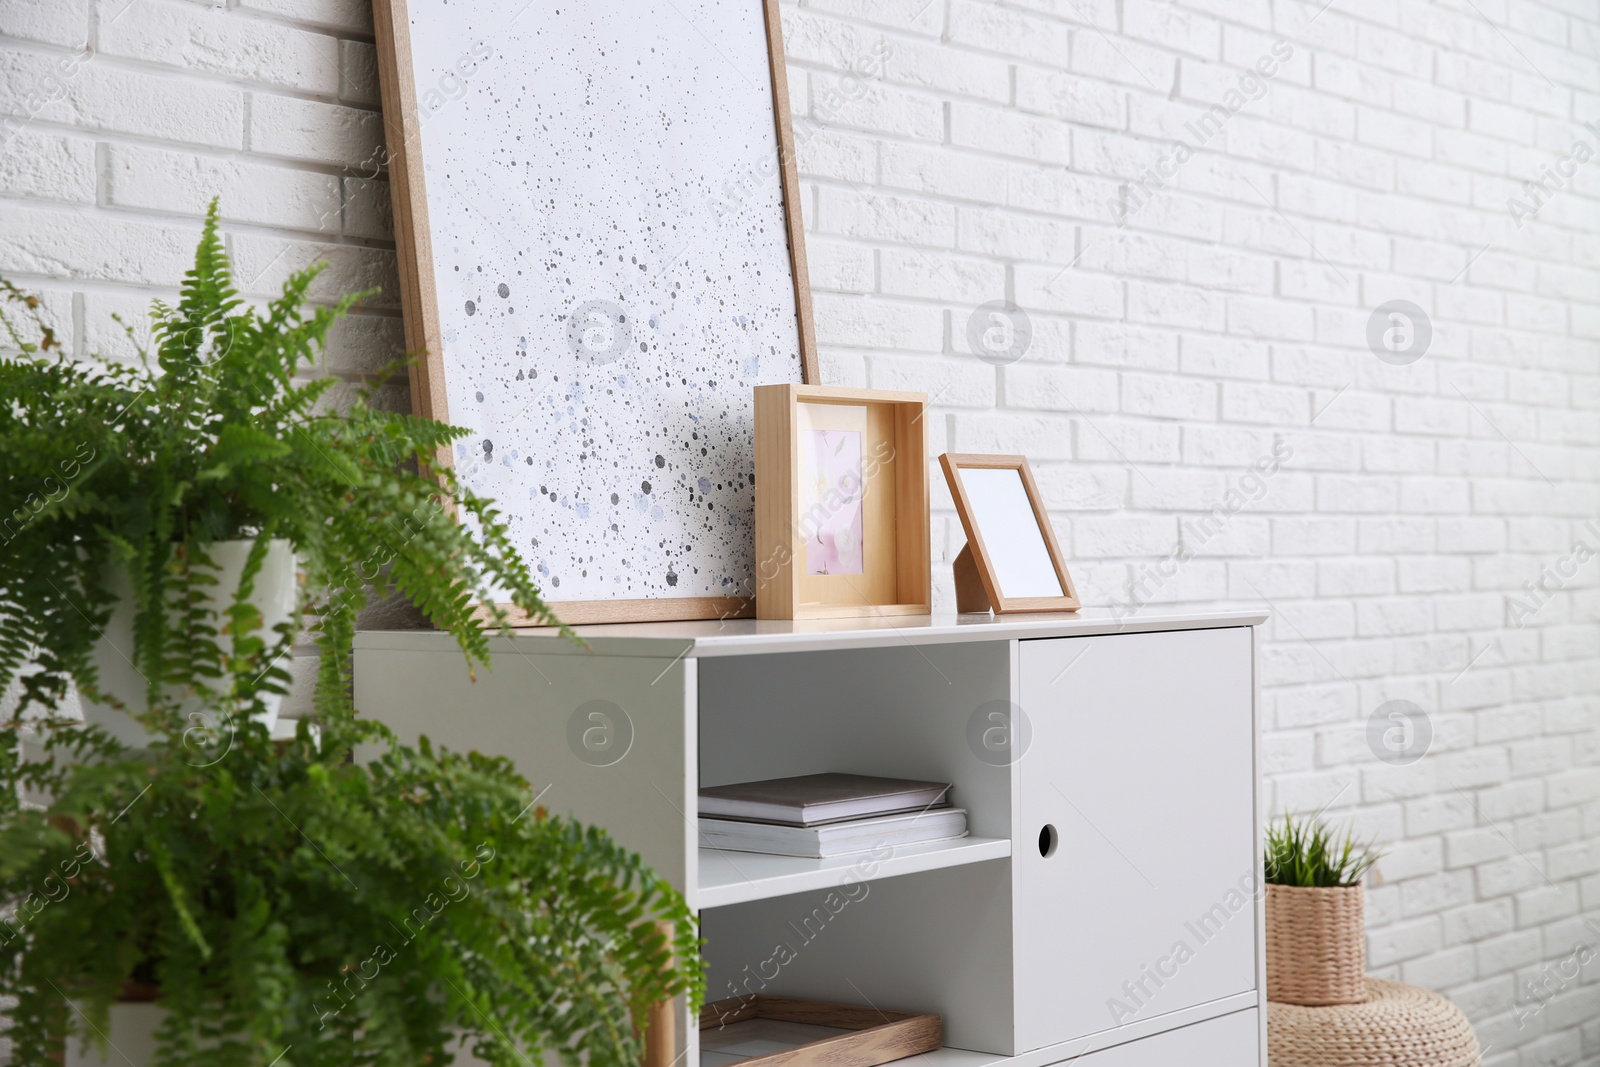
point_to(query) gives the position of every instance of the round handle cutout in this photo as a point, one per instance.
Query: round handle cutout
(1047, 840)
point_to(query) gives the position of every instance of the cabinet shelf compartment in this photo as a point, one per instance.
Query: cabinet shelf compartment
(728, 877)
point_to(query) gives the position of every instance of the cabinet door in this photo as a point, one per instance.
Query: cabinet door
(1231, 1041)
(1134, 855)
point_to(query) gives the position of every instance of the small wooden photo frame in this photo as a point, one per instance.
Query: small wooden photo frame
(730, 1030)
(1011, 562)
(841, 503)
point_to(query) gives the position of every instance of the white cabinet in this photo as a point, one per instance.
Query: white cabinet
(1124, 934)
(1231, 1041)
(1140, 767)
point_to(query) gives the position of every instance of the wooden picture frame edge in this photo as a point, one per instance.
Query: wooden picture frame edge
(789, 180)
(951, 463)
(419, 308)
(778, 595)
(879, 1036)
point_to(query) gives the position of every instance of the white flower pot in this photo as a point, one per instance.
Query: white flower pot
(132, 1035)
(274, 596)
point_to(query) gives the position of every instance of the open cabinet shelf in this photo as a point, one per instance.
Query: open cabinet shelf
(728, 877)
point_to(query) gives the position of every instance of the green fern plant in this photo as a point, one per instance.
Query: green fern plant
(1304, 852)
(304, 904)
(210, 438)
(340, 899)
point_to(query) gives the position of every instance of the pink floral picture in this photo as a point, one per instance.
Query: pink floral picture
(831, 511)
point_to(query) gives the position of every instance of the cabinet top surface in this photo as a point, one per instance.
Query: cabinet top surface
(737, 637)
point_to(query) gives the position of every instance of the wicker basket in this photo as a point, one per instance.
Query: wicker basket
(1395, 1026)
(1316, 945)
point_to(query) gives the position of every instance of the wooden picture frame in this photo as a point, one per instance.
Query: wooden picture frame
(981, 571)
(877, 1037)
(852, 542)
(725, 551)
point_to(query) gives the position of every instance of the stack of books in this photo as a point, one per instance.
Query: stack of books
(823, 815)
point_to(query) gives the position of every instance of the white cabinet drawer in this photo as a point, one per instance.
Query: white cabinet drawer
(1231, 1041)
(1142, 762)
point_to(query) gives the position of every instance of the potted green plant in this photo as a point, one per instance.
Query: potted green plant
(149, 512)
(1315, 909)
(338, 898)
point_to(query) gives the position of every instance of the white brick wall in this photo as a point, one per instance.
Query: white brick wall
(1229, 315)
(956, 152)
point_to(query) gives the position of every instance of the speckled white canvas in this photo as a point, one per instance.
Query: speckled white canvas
(612, 269)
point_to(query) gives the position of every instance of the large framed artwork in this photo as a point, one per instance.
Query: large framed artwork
(598, 225)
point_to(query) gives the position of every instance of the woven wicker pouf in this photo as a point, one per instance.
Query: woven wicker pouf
(1396, 1026)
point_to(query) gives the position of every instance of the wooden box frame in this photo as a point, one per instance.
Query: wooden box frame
(976, 587)
(898, 577)
(402, 123)
(880, 1036)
